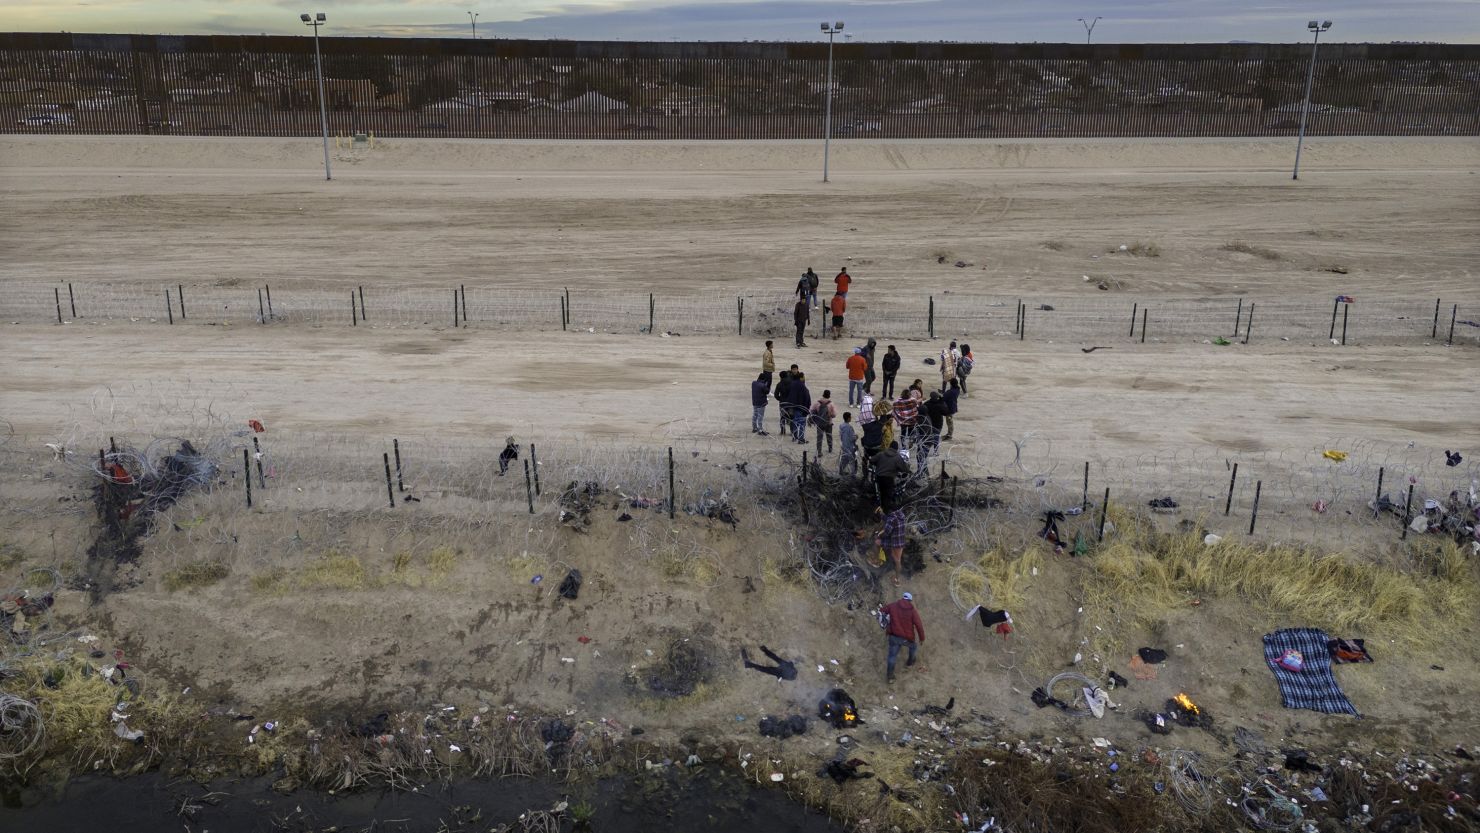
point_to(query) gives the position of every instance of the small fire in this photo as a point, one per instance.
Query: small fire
(849, 717)
(1186, 703)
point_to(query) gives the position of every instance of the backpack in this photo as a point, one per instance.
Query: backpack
(812, 280)
(964, 364)
(823, 413)
(882, 614)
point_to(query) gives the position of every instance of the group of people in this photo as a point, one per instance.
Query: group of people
(806, 293)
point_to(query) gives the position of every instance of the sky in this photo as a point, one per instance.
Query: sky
(1056, 21)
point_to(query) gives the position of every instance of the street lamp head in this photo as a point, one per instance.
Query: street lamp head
(824, 25)
(838, 25)
(320, 17)
(305, 18)
(1326, 25)
(1313, 25)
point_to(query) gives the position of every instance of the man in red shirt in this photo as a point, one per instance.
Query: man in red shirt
(857, 367)
(904, 625)
(838, 306)
(843, 280)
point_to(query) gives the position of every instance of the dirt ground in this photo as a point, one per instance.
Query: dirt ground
(1398, 215)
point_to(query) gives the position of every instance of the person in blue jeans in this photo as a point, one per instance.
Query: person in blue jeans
(904, 625)
(760, 394)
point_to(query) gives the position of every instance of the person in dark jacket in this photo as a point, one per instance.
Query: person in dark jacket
(801, 316)
(891, 368)
(508, 455)
(800, 401)
(935, 418)
(904, 626)
(953, 404)
(873, 443)
(868, 369)
(760, 394)
(889, 467)
(783, 384)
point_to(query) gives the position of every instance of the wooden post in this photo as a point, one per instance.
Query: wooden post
(261, 478)
(1144, 310)
(671, 495)
(651, 309)
(1453, 314)
(463, 290)
(1238, 317)
(169, 307)
(568, 315)
(455, 312)
(534, 466)
(261, 309)
(363, 316)
(528, 487)
(1254, 515)
(1084, 499)
(182, 301)
(1135, 307)
(1249, 325)
(400, 486)
(1232, 479)
(58, 294)
(932, 316)
(802, 490)
(246, 472)
(740, 316)
(354, 316)
(390, 493)
(71, 299)
(1435, 332)
(1023, 323)
(562, 313)
(1377, 500)
(1332, 334)
(1017, 315)
(1104, 508)
(1345, 311)
(954, 480)
(1407, 513)
(269, 301)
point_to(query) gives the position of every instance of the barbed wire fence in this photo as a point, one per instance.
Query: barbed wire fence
(1110, 319)
(213, 485)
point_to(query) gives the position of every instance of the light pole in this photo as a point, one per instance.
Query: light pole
(1089, 27)
(831, 31)
(473, 18)
(318, 61)
(1310, 78)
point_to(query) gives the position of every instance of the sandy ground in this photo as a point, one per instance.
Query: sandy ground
(1399, 215)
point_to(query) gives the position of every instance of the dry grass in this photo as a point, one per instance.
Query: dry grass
(1055, 245)
(1147, 575)
(1241, 247)
(1140, 248)
(1008, 575)
(340, 571)
(199, 573)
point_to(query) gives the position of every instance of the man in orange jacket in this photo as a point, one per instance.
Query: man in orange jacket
(857, 367)
(904, 625)
(838, 306)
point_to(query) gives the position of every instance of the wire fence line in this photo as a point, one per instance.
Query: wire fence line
(757, 312)
(1347, 493)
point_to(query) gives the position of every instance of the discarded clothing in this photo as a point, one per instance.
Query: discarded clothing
(1162, 503)
(1313, 686)
(843, 771)
(782, 670)
(1345, 651)
(1042, 699)
(838, 709)
(1452, 458)
(1152, 656)
(1117, 681)
(570, 587)
(1141, 670)
(1298, 760)
(783, 727)
(988, 616)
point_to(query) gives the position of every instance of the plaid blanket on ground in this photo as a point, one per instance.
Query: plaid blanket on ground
(1314, 686)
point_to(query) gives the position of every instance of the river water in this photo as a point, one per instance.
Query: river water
(680, 801)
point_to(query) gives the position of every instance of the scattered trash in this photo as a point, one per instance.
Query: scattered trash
(777, 777)
(570, 586)
(537, 579)
(1298, 760)
(1162, 503)
(1306, 682)
(122, 730)
(1151, 656)
(1210, 539)
(1334, 456)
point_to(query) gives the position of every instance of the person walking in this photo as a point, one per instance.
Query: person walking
(760, 393)
(807, 287)
(783, 385)
(964, 366)
(906, 414)
(948, 358)
(838, 305)
(952, 399)
(847, 447)
(865, 408)
(857, 366)
(823, 414)
(801, 316)
(843, 281)
(892, 538)
(868, 372)
(891, 369)
(873, 442)
(508, 455)
(904, 627)
(768, 363)
(800, 400)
